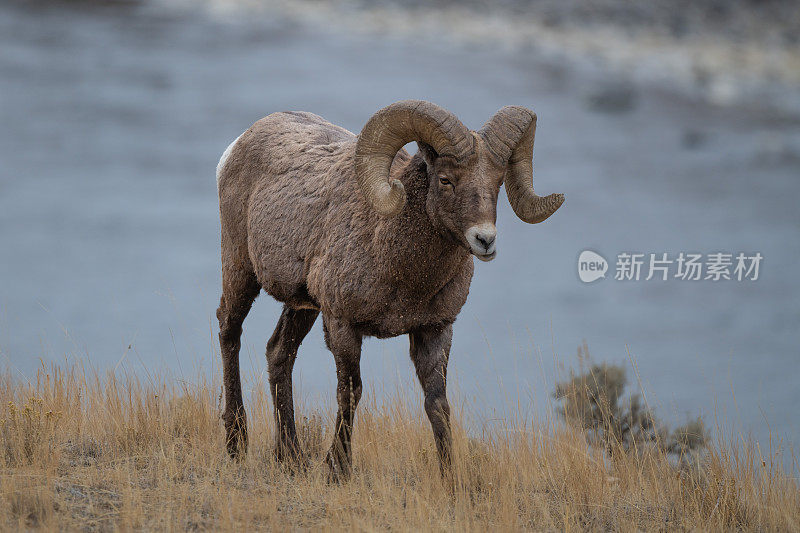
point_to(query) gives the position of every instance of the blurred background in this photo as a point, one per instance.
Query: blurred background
(670, 126)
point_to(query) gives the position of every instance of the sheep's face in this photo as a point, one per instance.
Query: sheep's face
(462, 198)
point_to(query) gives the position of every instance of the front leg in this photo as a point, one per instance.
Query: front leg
(345, 344)
(430, 351)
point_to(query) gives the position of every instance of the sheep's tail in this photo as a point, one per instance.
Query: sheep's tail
(224, 159)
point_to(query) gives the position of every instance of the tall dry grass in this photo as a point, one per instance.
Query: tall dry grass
(84, 451)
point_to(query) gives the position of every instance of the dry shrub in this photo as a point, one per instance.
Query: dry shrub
(28, 432)
(593, 400)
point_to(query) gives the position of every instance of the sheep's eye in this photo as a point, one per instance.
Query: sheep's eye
(444, 181)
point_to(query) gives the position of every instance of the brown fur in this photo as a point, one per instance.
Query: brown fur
(295, 223)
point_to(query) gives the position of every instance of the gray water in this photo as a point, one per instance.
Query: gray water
(113, 119)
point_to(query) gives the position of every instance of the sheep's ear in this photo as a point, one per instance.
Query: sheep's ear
(428, 153)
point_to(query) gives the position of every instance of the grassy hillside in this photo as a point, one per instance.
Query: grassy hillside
(83, 451)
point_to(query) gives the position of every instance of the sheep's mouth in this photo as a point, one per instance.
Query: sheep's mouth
(486, 257)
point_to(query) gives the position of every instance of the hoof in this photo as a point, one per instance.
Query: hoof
(236, 437)
(292, 457)
(338, 470)
(237, 447)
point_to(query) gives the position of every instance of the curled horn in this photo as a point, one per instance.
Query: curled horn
(509, 135)
(390, 129)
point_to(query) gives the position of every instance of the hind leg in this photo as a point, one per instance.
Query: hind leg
(239, 289)
(292, 328)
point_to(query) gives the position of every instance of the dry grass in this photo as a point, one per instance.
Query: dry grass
(81, 451)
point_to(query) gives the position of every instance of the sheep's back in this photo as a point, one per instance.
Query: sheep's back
(298, 167)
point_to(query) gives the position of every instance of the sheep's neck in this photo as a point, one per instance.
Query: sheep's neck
(424, 258)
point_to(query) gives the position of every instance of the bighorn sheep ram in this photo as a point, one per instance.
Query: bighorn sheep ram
(376, 240)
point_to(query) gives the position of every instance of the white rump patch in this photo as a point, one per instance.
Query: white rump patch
(225, 155)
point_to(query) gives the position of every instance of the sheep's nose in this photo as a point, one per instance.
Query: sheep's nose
(486, 239)
(481, 240)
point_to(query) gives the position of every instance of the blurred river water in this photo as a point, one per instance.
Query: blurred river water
(113, 118)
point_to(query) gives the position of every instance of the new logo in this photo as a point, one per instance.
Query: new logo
(591, 266)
